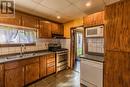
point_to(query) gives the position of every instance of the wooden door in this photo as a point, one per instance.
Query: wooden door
(13, 21)
(45, 29)
(31, 73)
(14, 77)
(29, 21)
(1, 75)
(43, 66)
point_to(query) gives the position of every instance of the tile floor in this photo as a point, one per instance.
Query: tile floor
(65, 78)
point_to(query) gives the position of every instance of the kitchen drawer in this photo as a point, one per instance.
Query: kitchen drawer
(51, 55)
(50, 70)
(12, 65)
(29, 61)
(51, 64)
(50, 59)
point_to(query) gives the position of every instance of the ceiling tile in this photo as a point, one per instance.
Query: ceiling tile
(96, 5)
(26, 4)
(37, 1)
(73, 12)
(42, 9)
(56, 4)
(73, 1)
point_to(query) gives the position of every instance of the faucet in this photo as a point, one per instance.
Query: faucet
(22, 50)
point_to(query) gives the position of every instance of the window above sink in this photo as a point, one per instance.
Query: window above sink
(16, 36)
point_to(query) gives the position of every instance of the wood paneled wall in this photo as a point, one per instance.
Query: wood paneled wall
(117, 45)
(69, 25)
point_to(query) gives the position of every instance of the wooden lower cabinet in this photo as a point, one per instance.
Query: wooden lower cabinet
(43, 66)
(31, 73)
(1, 75)
(51, 64)
(23, 72)
(50, 70)
(14, 77)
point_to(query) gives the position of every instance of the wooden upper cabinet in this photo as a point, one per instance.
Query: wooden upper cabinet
(54, 28)
(43, 66)
(31, 72)
(57, 29)
(94, 19)
(14, 75)
(45, 29)
(13, 21)
(30, 21)
(1, 75)
(117, 27)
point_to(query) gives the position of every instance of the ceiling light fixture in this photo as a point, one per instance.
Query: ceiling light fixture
(58, 17)
(88, 4)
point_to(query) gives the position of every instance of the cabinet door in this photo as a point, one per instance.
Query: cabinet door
(31, 73)
(45, 29)
(61, 29)
(55, 28)
(50, 70)
(43, 66)
(29, 21)
(13, 21)
(14, 77)
(94, 19)
(1, 76)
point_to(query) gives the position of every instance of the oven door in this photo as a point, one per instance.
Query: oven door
(61, 61)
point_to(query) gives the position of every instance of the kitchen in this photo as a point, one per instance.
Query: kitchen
(38, 43)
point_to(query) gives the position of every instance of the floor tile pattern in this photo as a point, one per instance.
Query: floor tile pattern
(66, 78)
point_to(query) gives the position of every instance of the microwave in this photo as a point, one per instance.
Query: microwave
(95, 31)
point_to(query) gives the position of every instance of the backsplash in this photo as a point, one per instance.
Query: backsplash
(95, 45)
(41, 44)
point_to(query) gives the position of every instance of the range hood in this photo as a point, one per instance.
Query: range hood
(58, 36)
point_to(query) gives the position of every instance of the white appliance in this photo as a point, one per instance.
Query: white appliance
(91, 73)
(94, 31)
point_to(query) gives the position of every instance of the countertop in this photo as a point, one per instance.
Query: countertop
(13, 57)
(93, 57)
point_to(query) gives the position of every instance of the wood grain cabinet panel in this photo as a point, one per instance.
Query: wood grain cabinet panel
(50, 70)
(12, 21)
(43, 66)
(117, 28)
(117, 69)
(1, 75)
(31, 73)
(57, 29)
(51, 64)
(14, 77)
(30, 21)
(45, 29)
(94, 19)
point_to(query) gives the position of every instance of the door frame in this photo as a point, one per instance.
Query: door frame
(72, 46)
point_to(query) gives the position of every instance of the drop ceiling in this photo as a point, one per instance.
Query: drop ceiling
(67, 9)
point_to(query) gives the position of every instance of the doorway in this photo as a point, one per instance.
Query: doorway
(77, 44)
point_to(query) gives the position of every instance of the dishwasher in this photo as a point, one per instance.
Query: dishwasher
(91, 73)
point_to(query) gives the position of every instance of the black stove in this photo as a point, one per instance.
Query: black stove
(56, 48)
